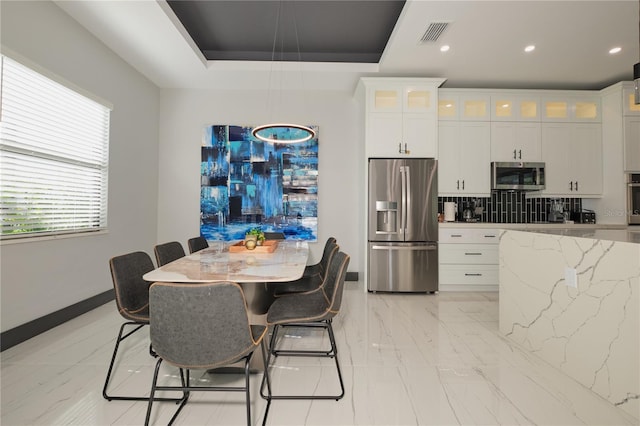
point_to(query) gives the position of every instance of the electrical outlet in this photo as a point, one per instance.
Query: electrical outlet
(571, 277)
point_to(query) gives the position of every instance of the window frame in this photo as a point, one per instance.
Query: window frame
(100, 168)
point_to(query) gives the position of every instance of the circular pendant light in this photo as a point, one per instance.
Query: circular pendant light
(283, 133)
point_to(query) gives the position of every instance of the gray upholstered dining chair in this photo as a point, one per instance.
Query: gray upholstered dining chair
(168, 252)
(313, 275)
(319, 268)
(316, 309)
(132, 301)
(201, 326)
(197, 244)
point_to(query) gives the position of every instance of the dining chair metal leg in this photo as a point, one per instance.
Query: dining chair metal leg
(331, 353)
(120, 338)
(247, 394)
(154, 387)
(265, 379)
(186, 388)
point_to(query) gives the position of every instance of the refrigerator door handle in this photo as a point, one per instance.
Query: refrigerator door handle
(430, 247)
(403, 201)
(407, 219)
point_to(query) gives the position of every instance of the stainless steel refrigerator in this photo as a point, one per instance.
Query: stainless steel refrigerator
(403, 225)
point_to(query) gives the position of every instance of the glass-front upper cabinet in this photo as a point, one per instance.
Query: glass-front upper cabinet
(417, 99)
(571, 109)
(453, 105)
(507, 107)
(402, 99)
(629, 99)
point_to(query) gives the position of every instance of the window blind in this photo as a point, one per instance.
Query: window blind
(54, 150)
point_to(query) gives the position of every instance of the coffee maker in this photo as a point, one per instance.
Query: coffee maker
(471, 212)
(556, 211)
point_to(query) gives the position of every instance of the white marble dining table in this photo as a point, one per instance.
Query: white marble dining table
(258, 273)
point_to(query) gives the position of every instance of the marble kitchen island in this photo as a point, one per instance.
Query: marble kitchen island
(590, 331)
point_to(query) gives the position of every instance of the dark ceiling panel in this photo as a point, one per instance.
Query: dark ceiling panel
(309, 31)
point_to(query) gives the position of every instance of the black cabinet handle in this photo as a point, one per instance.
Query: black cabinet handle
(472, 275)
(473, 254)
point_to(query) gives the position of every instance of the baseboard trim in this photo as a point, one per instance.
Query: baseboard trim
(31, 329)
(351, 276)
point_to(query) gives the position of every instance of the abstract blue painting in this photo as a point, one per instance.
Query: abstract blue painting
(247, 183)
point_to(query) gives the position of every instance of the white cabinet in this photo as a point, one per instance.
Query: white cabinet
(629, 106)
(468, 259)
(574, 109)
(631, 129)
(466, 105)
(573, 156)
(515, 141)
(507, 106)
(632, 143)
(464, 158)
(401, 117)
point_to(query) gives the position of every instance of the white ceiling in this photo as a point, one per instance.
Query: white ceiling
(487, 40)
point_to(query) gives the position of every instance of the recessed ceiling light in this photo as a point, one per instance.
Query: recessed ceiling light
(530, 48)
(445, 48)
(615, 50)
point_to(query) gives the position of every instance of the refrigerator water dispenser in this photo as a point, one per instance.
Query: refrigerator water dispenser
(387, 217)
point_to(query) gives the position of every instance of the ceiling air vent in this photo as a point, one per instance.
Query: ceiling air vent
(434, 31)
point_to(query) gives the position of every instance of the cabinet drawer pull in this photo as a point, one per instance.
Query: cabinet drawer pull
(472, 275)
(473, 254)
(489, 236)
(456, 235)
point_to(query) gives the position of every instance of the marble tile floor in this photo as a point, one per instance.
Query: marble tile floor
(406, 360)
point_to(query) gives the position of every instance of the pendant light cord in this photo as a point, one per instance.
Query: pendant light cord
(302, 85)
(273, 57)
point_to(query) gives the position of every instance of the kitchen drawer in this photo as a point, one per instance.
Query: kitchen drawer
(468, 236)
(468, 274)
(472, 254)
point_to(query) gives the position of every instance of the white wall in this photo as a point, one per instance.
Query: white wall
(40, 277)
(185, 113)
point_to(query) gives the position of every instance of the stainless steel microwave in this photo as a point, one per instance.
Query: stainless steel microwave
(517, 176)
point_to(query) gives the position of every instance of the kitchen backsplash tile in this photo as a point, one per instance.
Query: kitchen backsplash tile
(511, 207)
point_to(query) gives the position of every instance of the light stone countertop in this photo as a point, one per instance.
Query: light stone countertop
(620, 233)
(617, 235)
(533, 226)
